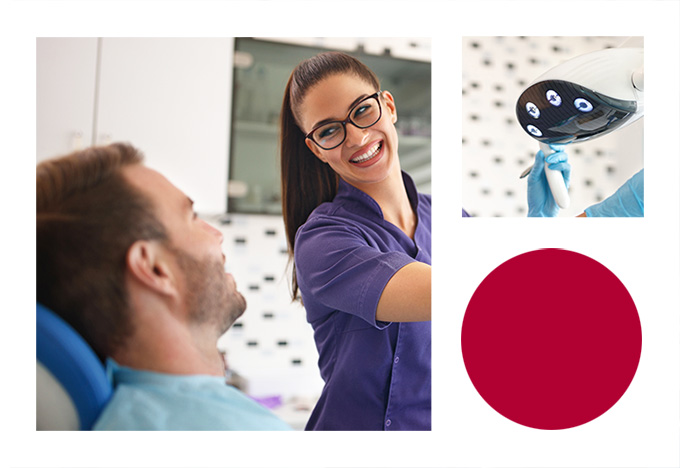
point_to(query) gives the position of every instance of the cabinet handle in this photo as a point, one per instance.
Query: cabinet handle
(77, 141)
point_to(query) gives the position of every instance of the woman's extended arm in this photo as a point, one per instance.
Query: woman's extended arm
(407, 297)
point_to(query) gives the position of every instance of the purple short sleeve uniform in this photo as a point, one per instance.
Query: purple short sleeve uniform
(376, 374)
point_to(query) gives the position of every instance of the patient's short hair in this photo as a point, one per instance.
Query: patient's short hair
(87, 217)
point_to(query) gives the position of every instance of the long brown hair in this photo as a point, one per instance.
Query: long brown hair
(306, 182)
(87, 216)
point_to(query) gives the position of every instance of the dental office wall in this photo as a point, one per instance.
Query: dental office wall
(495, 149)
(172, 99)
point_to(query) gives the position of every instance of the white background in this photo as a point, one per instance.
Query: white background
(642, 429)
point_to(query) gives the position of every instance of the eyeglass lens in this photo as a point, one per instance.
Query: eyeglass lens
(365, 114)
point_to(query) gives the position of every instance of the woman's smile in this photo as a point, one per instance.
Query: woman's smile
(368, 155)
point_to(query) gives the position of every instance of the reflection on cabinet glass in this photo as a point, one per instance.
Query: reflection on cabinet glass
(261, 70)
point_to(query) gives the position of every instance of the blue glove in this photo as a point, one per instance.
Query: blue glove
(627, 201)
(539, 197)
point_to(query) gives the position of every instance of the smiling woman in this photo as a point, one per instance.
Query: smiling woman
(359, 235)
(365, 149)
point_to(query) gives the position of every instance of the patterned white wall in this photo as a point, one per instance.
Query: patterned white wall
(495, 71)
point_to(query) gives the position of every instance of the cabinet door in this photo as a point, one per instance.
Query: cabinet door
(65, 94)
(171, 99)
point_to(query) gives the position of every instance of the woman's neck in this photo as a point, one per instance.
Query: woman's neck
(391, 196)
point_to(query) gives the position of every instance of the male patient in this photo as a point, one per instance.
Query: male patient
(122, 257)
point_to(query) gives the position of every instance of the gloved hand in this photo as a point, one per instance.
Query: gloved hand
(539, 197)
(627, 201)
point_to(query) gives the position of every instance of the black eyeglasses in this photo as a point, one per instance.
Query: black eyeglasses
(331, 134)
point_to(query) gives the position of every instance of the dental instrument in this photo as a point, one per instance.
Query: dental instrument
(583, 98)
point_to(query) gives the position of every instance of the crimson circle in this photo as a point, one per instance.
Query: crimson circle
(551, 339)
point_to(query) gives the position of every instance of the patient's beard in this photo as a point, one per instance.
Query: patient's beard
(209, 298)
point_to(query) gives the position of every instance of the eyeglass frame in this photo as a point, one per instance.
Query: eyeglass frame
(344, 123)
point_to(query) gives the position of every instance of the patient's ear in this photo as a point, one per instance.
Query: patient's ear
(149, 264)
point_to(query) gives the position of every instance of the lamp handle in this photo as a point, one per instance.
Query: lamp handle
(555, 180)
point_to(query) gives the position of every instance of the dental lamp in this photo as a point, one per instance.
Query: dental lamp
(583, 98)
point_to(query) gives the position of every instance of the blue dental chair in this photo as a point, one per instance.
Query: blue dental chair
(72, 387)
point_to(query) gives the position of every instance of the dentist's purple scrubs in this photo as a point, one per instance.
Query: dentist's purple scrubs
(377, 374)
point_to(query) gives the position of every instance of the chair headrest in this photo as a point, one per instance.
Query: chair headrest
(72, 363)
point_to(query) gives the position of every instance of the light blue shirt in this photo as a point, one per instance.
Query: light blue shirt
(145, 400)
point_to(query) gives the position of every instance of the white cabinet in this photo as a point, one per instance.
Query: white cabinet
(169, 97)
(65, 94)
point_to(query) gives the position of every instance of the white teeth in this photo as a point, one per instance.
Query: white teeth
(368, 154)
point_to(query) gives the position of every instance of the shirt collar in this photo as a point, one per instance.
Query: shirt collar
(349, 193)
(121, 374)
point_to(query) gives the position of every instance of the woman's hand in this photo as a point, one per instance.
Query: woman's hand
(539, 197)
